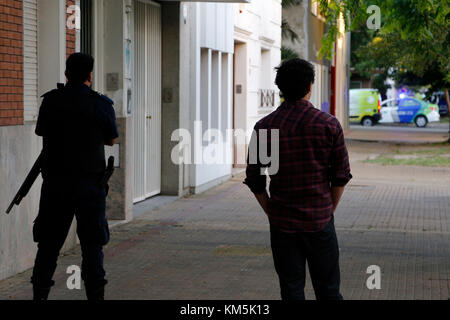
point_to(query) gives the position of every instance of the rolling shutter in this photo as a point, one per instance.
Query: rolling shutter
(30, 60)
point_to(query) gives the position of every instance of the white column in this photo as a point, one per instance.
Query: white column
(227, 105)
(227, 94)
(216, 83)
(205, 90)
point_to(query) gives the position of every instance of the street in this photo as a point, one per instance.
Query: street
(215, 245)
(151, 104)
(401, 133)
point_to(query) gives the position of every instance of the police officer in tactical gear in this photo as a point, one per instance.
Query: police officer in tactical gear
(76, 123)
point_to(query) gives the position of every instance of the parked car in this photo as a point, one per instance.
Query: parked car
(439, 99)
(409, 110)
(365, 106)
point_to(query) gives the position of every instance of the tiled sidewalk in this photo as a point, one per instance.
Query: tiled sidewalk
(216, 246)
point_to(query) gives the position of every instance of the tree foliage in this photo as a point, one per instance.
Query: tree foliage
(414, 35)
(286, 29)
(288, 3)
(287, 32)
(287, 54)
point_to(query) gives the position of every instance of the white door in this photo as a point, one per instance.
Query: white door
(147, 100)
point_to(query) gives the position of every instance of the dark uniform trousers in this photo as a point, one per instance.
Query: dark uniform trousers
(61, 200)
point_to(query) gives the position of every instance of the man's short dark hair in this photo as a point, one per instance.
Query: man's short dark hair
(294, 78)
(78, 67)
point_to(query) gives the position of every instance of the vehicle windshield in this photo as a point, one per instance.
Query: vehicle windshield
(390, 103)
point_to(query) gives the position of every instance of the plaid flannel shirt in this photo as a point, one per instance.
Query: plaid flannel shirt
(312, 158)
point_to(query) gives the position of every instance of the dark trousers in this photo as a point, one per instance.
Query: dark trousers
(84, 199)
(320, 249)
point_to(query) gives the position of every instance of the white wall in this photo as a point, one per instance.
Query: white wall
(216, 21)
(257, 33)
(211, 88)
(320, 89)
(258, 24)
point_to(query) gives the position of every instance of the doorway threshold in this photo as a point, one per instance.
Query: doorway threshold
(150, 204)
(143, 207)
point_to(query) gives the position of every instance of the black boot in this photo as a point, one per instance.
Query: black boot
(97, 293)
(40, 294)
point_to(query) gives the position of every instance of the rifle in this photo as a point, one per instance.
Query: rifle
(36, 170)
(27, 184)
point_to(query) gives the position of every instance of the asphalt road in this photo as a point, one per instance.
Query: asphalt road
(432, 127)
(399, 133)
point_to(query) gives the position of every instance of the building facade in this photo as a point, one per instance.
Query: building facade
(28, 68)
(330, 90)
(185, 77)
(257, 43)
(167, 65)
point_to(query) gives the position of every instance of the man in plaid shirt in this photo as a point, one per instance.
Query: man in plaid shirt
(306, 189)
